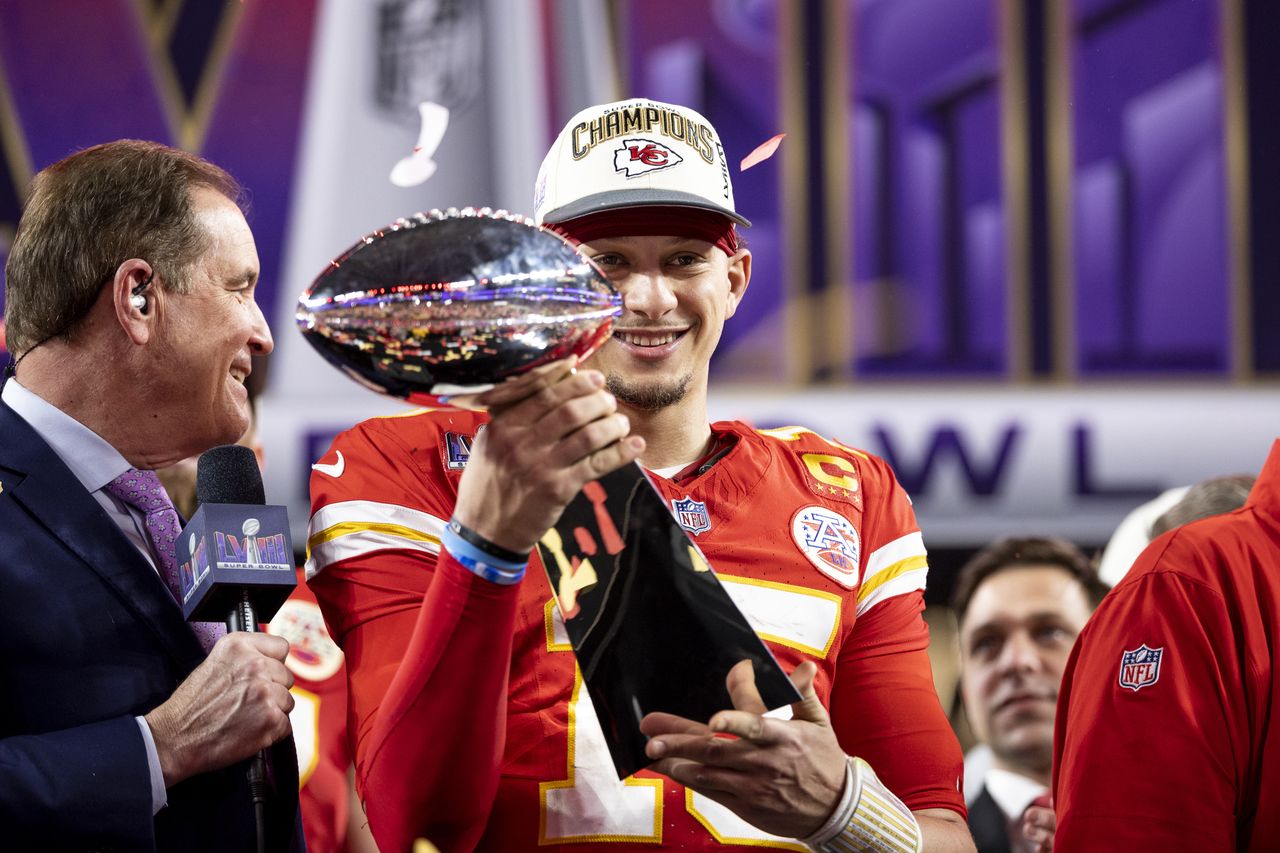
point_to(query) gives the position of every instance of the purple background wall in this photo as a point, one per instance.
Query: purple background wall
(928, 239)
(81, 72)
(1150, 182)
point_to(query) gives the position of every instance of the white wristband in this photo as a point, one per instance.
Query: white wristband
(868, 818)
(840, 815)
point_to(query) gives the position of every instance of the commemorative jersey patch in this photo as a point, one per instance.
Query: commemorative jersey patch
(692, 515)
(641, 156)
(832, 477)
(457, 448)
(1140, 667)
(313, 655)
(830, 541)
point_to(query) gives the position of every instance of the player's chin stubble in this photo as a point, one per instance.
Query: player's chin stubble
(649, 396)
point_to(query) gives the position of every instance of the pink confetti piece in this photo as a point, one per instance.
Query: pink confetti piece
(763, 152)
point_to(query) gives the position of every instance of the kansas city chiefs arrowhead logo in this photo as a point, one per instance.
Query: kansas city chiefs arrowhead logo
(641, 156)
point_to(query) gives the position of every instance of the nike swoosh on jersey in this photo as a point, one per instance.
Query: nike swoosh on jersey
(335, 470)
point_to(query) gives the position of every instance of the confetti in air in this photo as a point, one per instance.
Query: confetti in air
(419, 166)
(763, 152)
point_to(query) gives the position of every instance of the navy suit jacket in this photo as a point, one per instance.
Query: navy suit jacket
(988, 824)
(90, 637)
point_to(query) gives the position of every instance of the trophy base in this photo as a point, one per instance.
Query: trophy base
(650, 624)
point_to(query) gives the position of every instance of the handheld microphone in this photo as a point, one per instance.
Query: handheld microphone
(235, 557)
(236, 564)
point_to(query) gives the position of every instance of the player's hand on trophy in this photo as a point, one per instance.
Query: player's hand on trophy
(551, 431)
(782, 776)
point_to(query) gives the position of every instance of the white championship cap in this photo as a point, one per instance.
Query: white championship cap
(633, 153)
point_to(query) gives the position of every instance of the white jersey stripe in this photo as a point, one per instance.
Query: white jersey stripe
(903, 583)
(349, 528)
(804, 619)
(911, 545)
(373, 512)
(887, 575)
(365, 542)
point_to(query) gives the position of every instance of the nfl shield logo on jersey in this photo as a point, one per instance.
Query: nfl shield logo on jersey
(1141, 667)
(830, 541)
(692, 515)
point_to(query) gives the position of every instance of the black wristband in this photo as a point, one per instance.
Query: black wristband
(490, 548)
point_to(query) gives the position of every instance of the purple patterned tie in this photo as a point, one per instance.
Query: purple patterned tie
(142, 490)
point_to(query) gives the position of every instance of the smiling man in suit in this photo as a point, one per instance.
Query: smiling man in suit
(130, 310)
(1020, 602)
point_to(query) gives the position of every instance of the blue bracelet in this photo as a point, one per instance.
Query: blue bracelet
(478, 562)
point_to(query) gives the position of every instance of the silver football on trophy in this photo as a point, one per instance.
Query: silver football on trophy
(451, 303)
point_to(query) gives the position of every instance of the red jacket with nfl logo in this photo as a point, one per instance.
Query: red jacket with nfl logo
(1168, 716)
(815, 541)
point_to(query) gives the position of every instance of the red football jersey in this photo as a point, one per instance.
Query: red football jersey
(815, 542)
(1169, 702)
(319, 720)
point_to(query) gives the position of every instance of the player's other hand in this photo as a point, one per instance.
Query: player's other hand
(782, 776)
(1039, 823)
(551, 431)
(232, 705)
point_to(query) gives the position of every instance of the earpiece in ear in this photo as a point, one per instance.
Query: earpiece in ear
(136, 299)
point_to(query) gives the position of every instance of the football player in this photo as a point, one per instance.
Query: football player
(471, 725)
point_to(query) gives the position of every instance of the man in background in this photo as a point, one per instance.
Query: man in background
(1020, 603)
(1214, 496)
(1164, 731)
(1173, 508)
(1210, 497)
(130, 310)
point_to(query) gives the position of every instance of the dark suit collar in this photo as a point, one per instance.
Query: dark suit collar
(89, 456)
(33, 476)
(989, 825)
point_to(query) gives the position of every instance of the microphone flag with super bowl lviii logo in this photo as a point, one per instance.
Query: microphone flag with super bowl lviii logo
(227, 549)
